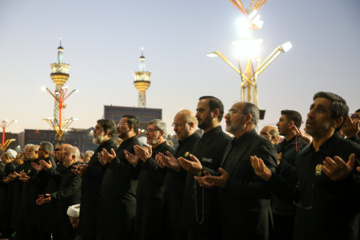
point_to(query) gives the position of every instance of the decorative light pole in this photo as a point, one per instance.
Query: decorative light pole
(59, 75)
(142, 81)
(249, 48)
(4, 124)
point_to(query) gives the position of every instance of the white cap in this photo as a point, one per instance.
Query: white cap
(143, 140)
(12, 152)
(74, 211)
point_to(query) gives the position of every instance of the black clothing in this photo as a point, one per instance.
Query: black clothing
(355, 139)
(68, 194)
(90, 193)
(6, 199)
(199, 214)
(149, 195)
(325, 208)
(174, 192)
(245, 201)
(284, 213)
(117, 207)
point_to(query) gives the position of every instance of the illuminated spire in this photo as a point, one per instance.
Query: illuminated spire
(142, 80)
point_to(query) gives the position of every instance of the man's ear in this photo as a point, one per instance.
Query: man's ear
(291, 123)
(248, 118)
(215, 113)
(106, 132)
(191, 124)
(338, 122)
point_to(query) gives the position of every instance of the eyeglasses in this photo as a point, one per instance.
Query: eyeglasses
(232, 111)
(150, 130)
(122, 124)
(178, 124)
(355, 115)
(296, 196)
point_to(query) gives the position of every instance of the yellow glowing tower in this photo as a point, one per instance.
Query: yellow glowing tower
(142, 81)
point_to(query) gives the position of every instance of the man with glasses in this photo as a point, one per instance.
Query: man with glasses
(245, 210)
(118, 199)
(199, 213)
(326, 186)
(351, 127)
(150, 187)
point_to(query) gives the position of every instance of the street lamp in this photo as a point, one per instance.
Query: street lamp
(57, 123)
(249, 48)
(4, 124)
(249, 77)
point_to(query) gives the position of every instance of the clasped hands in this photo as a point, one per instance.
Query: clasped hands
(43, 198)
(42, 165)
(142, 153)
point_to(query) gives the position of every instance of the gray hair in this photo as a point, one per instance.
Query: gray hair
(90, 152)
(253, 110)
(74, 151)
(161, 125)
(47, 147)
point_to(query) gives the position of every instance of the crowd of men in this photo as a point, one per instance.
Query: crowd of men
(214, 185)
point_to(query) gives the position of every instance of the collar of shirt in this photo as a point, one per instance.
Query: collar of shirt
(125, 143)
(188, 139)
(207, 137)
(327, 146)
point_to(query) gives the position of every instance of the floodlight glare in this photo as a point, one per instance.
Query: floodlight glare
(212, 54)
(286, 47)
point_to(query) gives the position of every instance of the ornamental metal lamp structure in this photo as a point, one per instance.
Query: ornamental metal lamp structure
(142, 81)
(59, 75)
(4, 124)
(249, 48)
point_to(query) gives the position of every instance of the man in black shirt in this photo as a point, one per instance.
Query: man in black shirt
(326, 191)
(150, 188)
(199, 214)
(92, 176)
(185, 128)
(118, 189)
(244, 200)
(284, 213)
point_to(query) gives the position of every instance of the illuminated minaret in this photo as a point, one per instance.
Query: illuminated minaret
(142, 81)
(59, 75)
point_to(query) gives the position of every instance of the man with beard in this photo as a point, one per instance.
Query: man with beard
(67, 194)
(199, 214)
(118, 199)
(150, 188)
(284, 213)
(92, 176)
(185, 128)
(326, 190)
(244, 201)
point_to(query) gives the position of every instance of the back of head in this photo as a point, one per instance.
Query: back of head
(339, 108)
(132, 120)
(294, 116)
(47, 146)
(74, 151)
(108, 125)
(253, 110)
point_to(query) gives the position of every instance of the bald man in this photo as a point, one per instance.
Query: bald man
(185, 128)
(270, 133)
